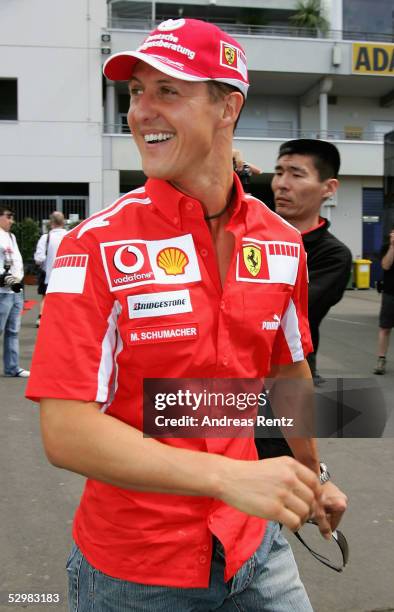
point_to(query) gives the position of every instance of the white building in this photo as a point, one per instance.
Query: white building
(51, 104)
(63, 130)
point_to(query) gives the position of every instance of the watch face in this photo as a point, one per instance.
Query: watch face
(324, 477)
(324, 473)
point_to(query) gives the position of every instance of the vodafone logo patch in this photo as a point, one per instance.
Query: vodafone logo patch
(130, 263)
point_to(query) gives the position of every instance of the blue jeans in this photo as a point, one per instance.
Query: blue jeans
(11, 305)
(268, 582)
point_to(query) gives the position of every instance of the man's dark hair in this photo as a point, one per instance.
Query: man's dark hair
(325, 155)
(5, 209)
(218, 90)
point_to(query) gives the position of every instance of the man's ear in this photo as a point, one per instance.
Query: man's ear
(330, 187)
(233, 104)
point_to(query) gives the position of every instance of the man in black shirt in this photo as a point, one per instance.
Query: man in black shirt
(386, 317)
(305, 176)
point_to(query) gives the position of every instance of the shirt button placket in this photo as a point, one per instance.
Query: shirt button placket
(223, 345)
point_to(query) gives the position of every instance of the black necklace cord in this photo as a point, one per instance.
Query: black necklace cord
(224, 209)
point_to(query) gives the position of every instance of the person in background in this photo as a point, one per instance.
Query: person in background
(45, 254)
(386, 316)
(306, 175)
(11, 295)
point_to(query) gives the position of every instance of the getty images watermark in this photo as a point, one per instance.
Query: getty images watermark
(204, 408)
(204, 401)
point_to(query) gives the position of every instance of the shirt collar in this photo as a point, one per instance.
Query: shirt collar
(322, 223)
(167, 199)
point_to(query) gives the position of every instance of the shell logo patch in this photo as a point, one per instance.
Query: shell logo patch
(172, 260)
(252, 258)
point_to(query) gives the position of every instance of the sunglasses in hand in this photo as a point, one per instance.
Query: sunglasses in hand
(334, 554)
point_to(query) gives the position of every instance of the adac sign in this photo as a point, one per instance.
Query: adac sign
(373, 59)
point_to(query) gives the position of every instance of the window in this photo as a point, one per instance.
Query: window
(8, 100)
(366, 19)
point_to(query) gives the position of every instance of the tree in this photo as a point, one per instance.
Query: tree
(27, 234)
(309, 15)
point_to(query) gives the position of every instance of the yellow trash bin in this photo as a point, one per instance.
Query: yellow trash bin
(362, 273)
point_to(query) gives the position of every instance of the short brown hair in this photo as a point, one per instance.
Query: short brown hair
(217, 91)
(6, 209)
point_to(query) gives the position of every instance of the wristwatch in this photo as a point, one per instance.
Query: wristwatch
(324, 473)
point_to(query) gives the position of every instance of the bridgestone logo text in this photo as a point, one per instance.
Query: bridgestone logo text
(163, 304)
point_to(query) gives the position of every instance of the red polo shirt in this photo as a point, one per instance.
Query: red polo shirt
(135, 292)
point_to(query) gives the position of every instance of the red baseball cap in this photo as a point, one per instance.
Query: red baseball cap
(187, 49)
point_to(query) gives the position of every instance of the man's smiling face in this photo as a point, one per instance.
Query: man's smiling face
(173, 123)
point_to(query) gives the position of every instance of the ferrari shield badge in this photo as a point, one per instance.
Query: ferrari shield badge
(252, 258)
(230, 55)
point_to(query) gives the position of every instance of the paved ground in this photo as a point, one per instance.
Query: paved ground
(37, 501)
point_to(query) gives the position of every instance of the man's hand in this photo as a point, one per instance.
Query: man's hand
(392, 238)
(280, 489)
(334, 503)
(239, 163)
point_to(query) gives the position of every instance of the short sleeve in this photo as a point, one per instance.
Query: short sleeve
(73, 357)
(293, 340)
(40, 252)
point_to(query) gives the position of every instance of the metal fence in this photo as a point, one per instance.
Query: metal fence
(146, 24)
(348, 133)
(40, 207)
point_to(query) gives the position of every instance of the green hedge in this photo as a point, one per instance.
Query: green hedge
(27, 233)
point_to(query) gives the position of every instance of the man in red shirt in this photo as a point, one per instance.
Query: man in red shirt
(189, 278)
